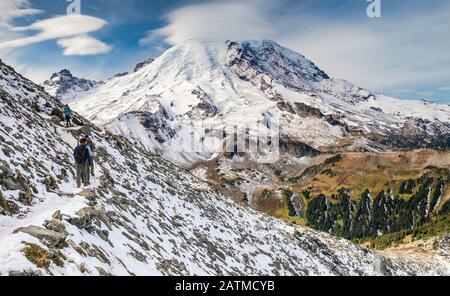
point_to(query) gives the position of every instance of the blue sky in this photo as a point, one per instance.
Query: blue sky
(404, 53)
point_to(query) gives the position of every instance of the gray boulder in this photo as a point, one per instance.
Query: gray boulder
(51, 236)
(96, 212)
(55, 119)
(10, 184)
(55, 225)
(26, 273)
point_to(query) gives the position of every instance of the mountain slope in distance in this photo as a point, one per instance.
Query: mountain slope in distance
(255, 85)
(66, 87)
(198, 89)
(143, 215)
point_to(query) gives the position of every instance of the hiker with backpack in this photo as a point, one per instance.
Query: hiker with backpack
(91, 146)
(83, 160)
(68, 113)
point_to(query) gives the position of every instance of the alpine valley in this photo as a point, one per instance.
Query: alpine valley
(361, 180)
(354, 163)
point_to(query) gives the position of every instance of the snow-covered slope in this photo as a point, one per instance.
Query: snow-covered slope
(142, 215)
(66, 87)
(256, 86)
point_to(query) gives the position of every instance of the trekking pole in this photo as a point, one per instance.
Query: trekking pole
(93, 172)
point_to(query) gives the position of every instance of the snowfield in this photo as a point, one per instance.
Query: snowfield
(254, 85)
(143, 215)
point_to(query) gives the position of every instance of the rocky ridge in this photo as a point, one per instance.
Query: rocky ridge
(143, 215)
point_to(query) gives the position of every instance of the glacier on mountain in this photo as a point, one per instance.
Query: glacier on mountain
(254, 84)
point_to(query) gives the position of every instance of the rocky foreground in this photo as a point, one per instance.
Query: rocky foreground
(142, 215)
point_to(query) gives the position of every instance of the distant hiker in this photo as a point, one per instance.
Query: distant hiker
(91, 146)
(83, 159)
(68, 113)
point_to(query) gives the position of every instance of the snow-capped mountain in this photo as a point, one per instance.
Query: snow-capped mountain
(143, 215)
(200, 86)
(66, 87)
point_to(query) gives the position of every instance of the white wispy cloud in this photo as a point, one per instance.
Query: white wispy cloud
(83, 45)
(219, 20)
(66, 29)
(12, 9)
(400, 51)
(445, 88)
(55, 28)
(70, 32)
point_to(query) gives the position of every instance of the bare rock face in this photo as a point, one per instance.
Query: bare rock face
(64, 83)
(299, 205)
(299, 149)
(305, 111)
(442, 245)
(8, 179)
(267, 56)
(205, 108)
(143, 64)
(8, 207)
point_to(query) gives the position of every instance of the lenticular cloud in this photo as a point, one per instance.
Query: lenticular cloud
(55, 28)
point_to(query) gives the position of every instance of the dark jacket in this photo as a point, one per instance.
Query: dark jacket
(86, 154)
